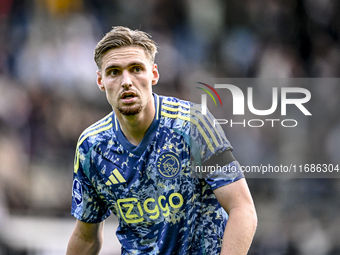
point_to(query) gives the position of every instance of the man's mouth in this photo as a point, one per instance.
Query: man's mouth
(128, 96)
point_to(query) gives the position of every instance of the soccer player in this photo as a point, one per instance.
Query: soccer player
(138, 163)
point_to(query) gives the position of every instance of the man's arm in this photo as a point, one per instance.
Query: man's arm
(236, 199)
(86, 239)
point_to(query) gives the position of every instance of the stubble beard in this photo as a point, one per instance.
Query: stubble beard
(130, 110)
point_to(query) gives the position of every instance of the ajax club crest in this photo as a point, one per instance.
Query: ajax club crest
(168, 165)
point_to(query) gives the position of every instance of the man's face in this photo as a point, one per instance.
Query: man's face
(127, 76)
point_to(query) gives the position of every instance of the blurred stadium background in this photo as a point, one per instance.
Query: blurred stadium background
(48, 96)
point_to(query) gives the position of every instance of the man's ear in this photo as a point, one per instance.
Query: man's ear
(155, 73)
(100, 81)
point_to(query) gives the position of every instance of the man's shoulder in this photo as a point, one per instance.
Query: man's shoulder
(174, 107)
(97, 132)
(174, 101)
(187, 117)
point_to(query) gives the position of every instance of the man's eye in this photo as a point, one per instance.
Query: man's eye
(114, 72)
(137, 69)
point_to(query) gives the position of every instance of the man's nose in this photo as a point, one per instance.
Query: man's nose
(126, 79)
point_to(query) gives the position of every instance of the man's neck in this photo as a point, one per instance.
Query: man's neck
(134, 127)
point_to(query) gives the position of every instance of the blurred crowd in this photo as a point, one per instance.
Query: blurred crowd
(48, 95)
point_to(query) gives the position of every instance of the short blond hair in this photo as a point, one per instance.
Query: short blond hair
(122, 36)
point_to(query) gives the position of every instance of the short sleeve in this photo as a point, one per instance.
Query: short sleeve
(212, 151)
(87, 205)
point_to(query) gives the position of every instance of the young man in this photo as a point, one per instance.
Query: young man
(137, 164)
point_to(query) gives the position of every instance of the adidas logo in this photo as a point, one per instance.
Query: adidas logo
(115, 178)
